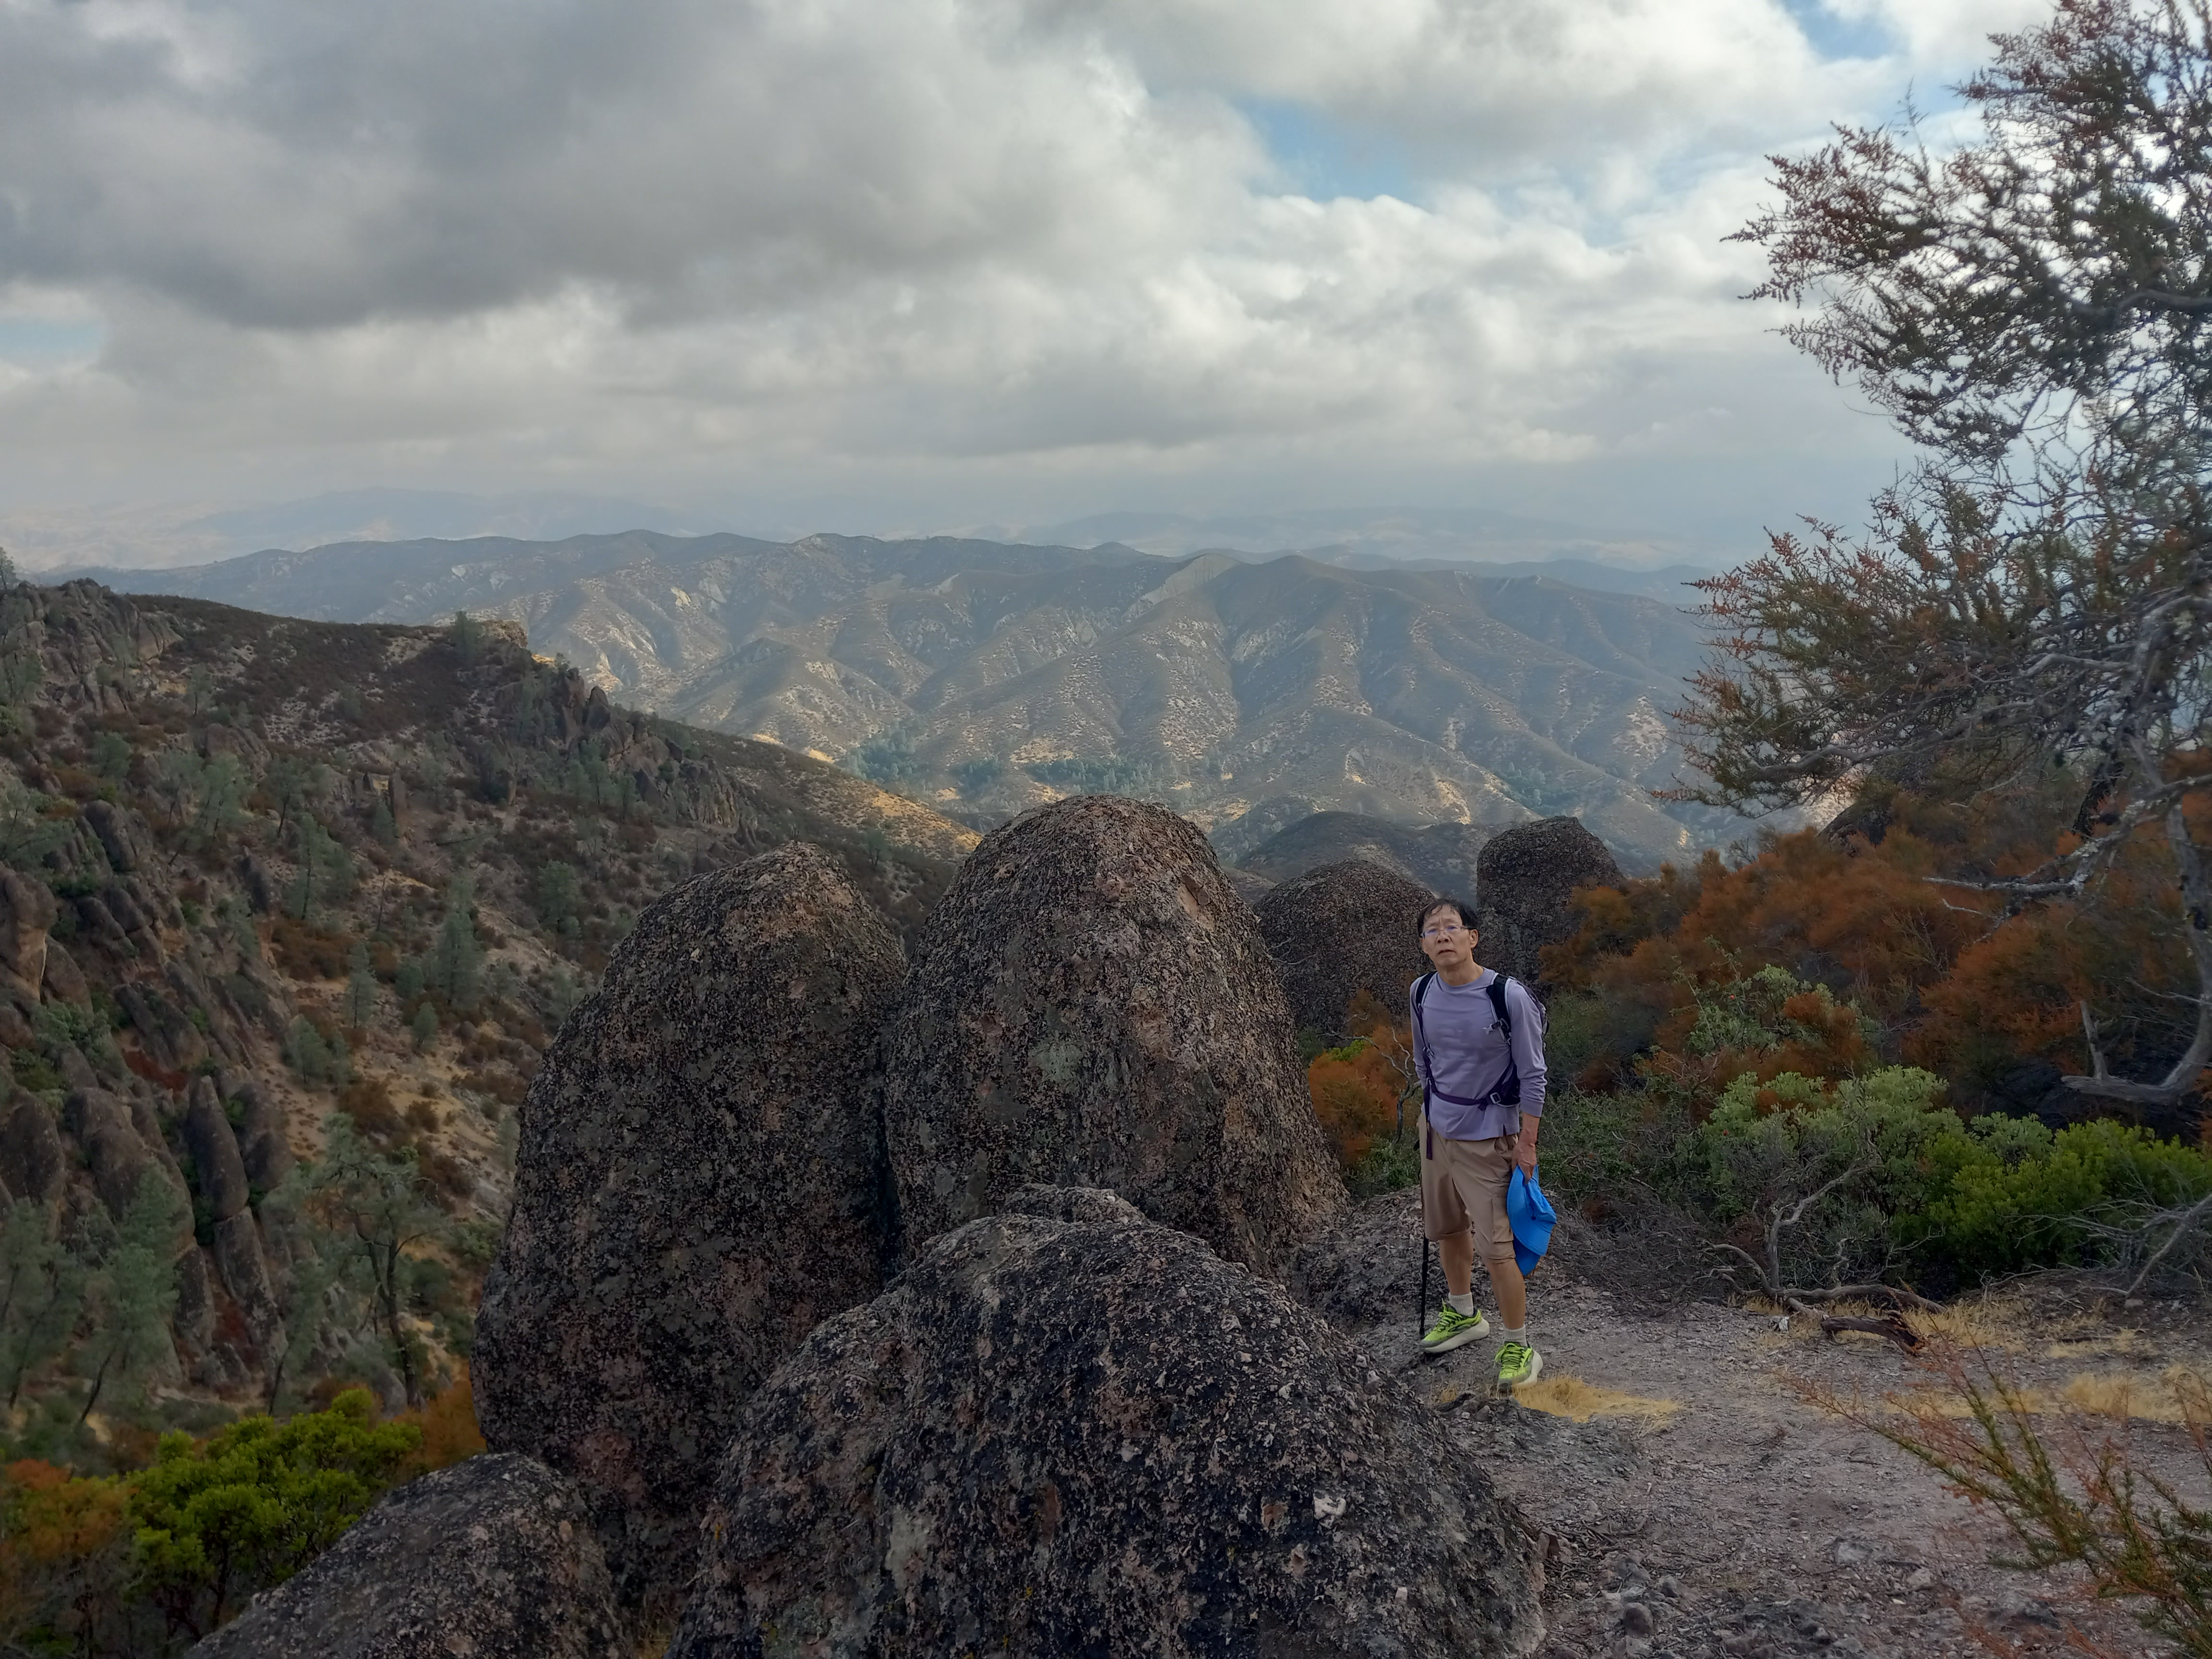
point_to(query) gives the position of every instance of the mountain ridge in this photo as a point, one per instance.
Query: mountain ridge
(985, 677)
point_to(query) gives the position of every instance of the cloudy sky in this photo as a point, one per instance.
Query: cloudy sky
(924, 263)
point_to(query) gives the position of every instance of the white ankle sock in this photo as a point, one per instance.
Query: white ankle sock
(1518, 1333)
(1462, 1305)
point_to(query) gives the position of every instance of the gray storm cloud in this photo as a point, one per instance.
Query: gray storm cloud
(828, 236)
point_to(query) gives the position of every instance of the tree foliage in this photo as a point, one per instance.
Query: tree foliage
(2029, 309)
(217, 1522)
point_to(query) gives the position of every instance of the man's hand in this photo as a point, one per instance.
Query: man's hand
(1524, 1146)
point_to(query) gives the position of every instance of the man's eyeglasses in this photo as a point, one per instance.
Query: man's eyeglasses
(1443, 930)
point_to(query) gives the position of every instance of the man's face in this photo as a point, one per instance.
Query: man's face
(1445, 940)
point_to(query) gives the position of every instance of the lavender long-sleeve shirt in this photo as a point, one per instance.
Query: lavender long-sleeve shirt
(1465, 1054)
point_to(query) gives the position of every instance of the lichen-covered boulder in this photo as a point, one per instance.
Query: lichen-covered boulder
(492, 1558)
(1091, 1005)
(1524, 883)
(698, 1185)
(1339, 930)
(1367, 1270)
(1049, 1439)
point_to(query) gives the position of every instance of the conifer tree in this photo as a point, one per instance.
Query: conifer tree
(133, 1289)
(41, 1293)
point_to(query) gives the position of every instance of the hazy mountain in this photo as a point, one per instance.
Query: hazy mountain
(391, 515)
(986, 678)
(1387, 535)
(149, 538)
(1671, 583)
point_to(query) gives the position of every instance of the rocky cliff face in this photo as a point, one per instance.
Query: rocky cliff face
(699, 1185)
(1524, 888)
(1053, 1438)
(1091, 1005)
(234, 851)
(1339, 930)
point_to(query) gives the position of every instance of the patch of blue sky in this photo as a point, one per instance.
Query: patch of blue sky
(49, 342)
(1324, 158)
(1835, 35)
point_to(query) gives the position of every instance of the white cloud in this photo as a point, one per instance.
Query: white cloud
(954, 249)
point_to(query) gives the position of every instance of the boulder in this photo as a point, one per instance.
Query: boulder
(32, 1160)
(261, 1131)
(214, 1149)
(1092, 1005)
(1524, 882)
(1339, 930)
(1086, 1204)
(1050, 1438)
(63, 978)
(1367, 1270)
(699, 1184)
(26, 910)
(122, 836)
(492, 1558)
(244, 1270)
(101, 1122)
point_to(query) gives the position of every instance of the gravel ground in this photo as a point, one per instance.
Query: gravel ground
(1703, 1507)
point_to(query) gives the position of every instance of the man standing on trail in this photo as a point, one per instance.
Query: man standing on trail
(1479, 1047)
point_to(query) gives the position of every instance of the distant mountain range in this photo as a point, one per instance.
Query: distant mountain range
(1368, 537)
(1441, 858)
(983, 677)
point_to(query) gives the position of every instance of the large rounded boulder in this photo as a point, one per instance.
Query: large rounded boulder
(1524, 885)
(1053, 1438)
(492, 1558)
(1092, 1005)
(698, 1185)
(1339, 930)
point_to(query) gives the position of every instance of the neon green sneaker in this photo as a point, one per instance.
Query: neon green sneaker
(1518, 1363)
(1453, 1329)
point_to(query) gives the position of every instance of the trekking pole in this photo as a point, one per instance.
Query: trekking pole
(1421, 1312)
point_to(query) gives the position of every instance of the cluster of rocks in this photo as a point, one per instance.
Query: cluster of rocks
(853, 1307)
(121, 1127)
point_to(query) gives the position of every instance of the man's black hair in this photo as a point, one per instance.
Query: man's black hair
(1464, 910)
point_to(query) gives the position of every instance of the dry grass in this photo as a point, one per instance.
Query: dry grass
(1579, 1402)
(1575, 1400)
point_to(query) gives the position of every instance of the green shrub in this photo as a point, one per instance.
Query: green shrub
(1892, 1181)
(218, 1521)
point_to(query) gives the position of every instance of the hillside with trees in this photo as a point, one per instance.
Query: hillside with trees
(292, 910)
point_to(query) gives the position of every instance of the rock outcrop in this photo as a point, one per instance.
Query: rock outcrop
(699, 1184)
(1339, 930)
(33, 1164)
(1092, 1005)
(1050, 1438)
(214, 1149)
(1526, 876)
(492, 1558)
(261, 1138)
(118, 1158)
(26, 910)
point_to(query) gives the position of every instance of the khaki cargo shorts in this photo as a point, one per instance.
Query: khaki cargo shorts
(1463, 1190)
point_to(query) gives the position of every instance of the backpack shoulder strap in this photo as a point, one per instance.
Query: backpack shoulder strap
(1496, 989)
(1420, 1037)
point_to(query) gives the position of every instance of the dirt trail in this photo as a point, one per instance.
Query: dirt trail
(1701, 1507)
